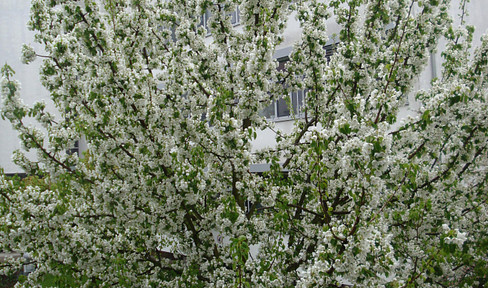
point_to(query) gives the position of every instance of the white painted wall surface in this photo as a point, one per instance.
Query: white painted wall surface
(476, 17)
(14, 15)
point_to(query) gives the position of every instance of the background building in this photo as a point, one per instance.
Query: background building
(14, 15)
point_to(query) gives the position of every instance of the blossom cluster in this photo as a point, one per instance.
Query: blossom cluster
(164, 195)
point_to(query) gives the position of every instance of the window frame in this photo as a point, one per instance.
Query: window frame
(298, 111)
(236, 14)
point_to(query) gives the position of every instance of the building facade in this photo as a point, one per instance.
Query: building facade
(14, 16)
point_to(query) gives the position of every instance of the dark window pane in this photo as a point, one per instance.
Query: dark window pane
(283, 109)
(202, 20)
(235, 19)
(281, 64)
(294, 102)
(269, 111)
(329, 51)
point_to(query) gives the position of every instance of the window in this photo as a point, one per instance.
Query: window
(292, 105)
(172, 32)
(204, 21)
(235, 19)
(75, 149)
(288, 105)
(280, 109)
(330, 50)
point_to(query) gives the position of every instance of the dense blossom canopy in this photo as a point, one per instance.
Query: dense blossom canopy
(164, 195)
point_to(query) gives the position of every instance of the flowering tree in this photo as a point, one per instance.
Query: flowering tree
(170, 114)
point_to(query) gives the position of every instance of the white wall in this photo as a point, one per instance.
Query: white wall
(477, 17)
(14, 15)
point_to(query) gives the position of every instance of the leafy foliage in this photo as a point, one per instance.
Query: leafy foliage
(171, 117)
